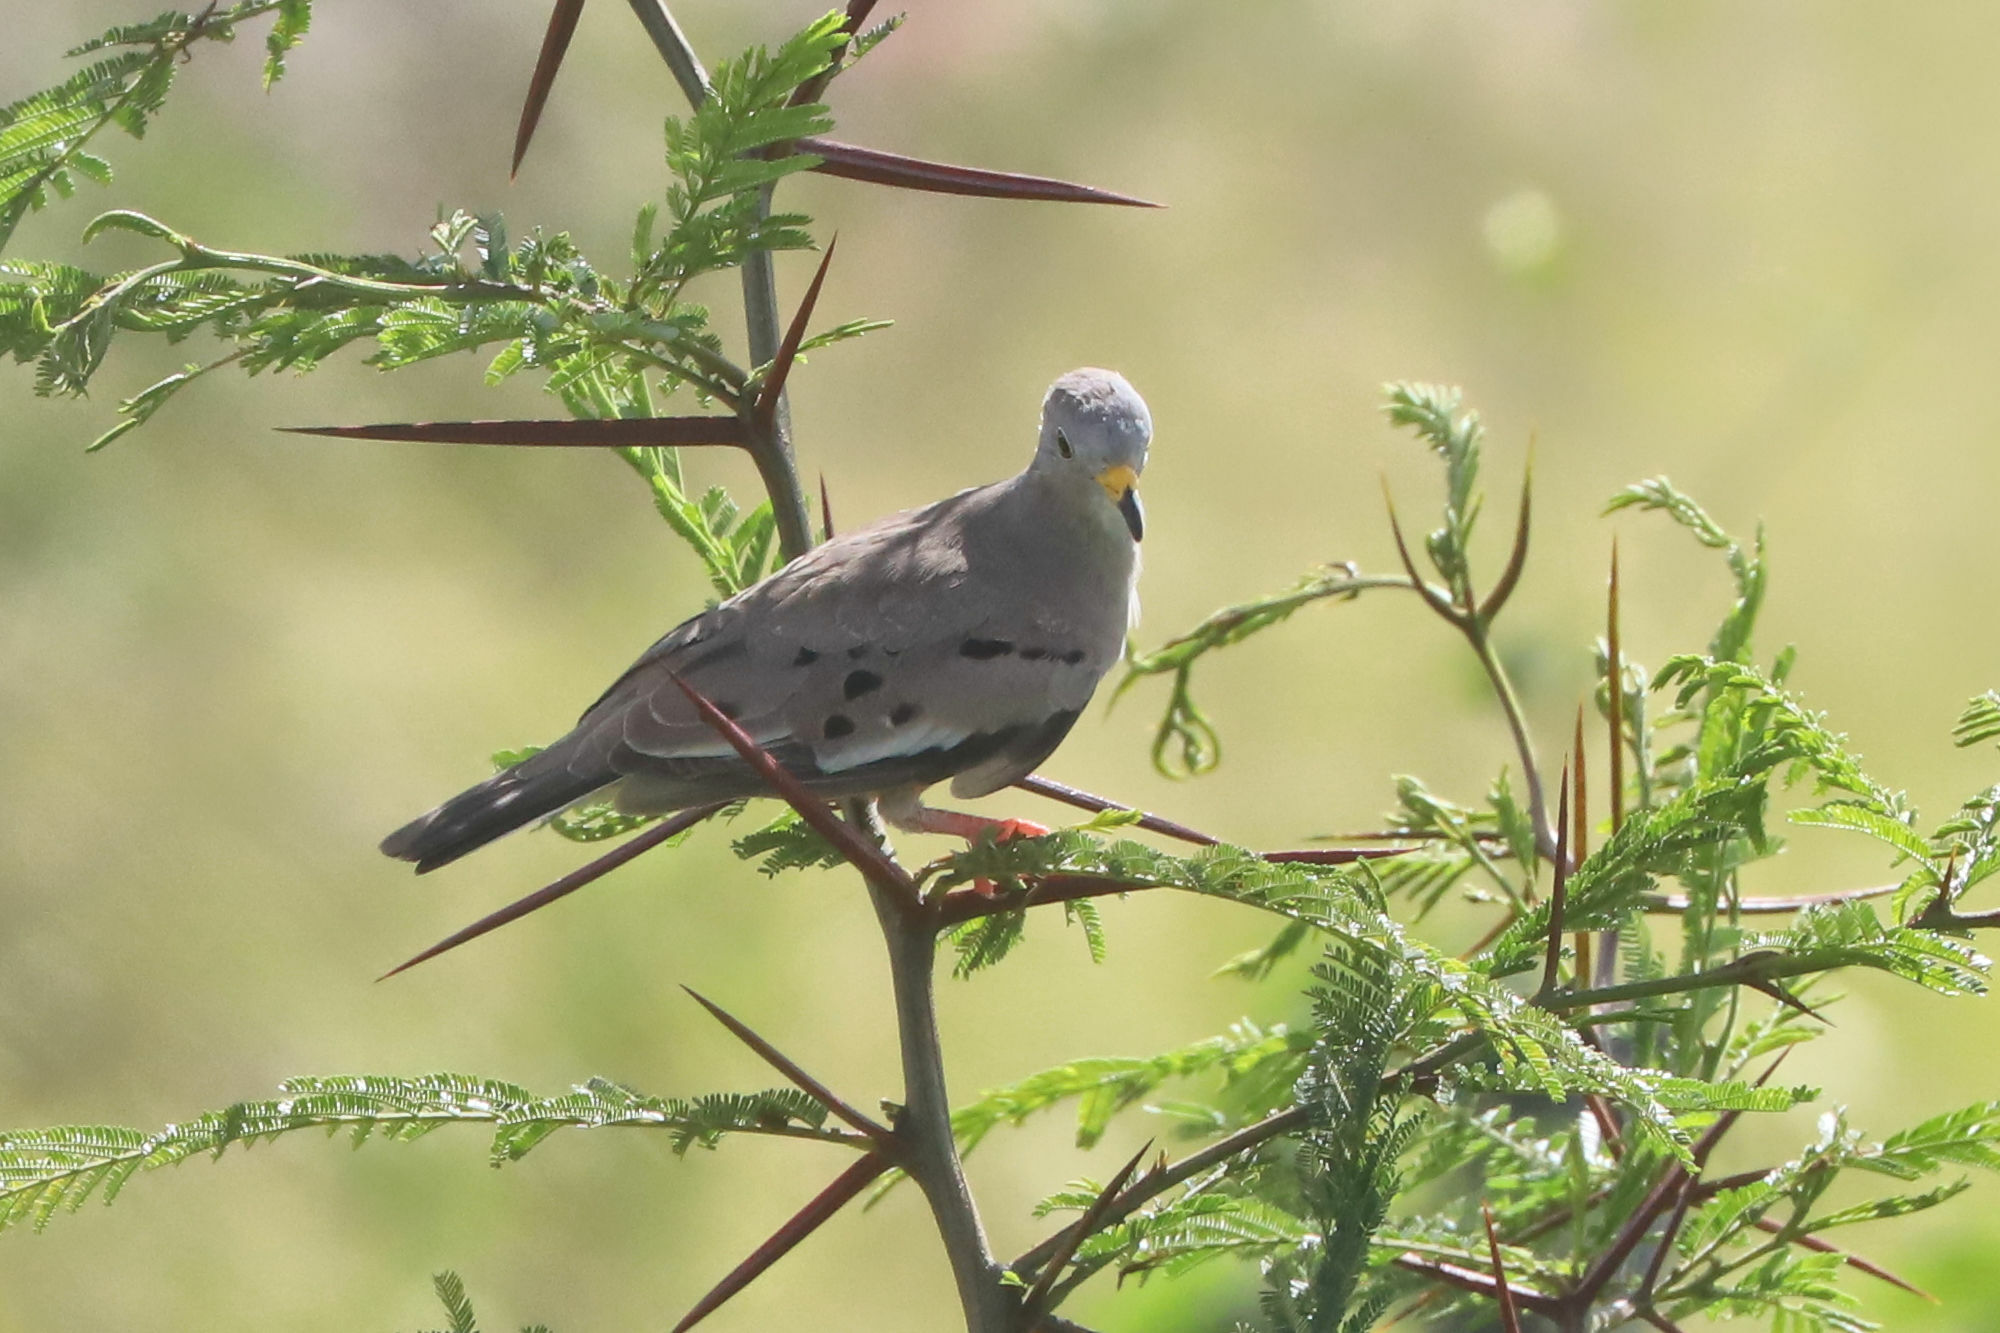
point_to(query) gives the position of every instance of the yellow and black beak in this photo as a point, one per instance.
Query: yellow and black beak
(1121, 484)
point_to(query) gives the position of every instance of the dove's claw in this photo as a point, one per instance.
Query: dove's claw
(907, 814)
(1002, 830)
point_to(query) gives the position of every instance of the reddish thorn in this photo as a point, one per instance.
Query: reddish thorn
(862, 854)
(568, 884)
(801, 1224)
(792, 1070)
(1517, 559)
(614, 433)
(555, 43)
(781, 364)
(879, 168)
(1552, 963)
(1076, 1235)
(1510, 1318)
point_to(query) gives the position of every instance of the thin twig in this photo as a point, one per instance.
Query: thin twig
(1651, 1278)
(1674, 1186)
(1759, 970)
(771, 443)
(1083, 800)
(1679, 902)
(770, 447)
(1466, 1279)
(673, 47)
(1473, 625)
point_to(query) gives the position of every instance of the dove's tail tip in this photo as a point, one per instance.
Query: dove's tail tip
(478, 815)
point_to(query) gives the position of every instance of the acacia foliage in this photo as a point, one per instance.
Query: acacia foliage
(1354, 1157)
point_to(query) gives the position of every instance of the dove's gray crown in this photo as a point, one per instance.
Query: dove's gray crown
(960, 640)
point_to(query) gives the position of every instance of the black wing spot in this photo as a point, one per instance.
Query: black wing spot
(982, 650)
(1073, 656)
(840, 724)
(903, 713)
(730, 711)
(859, 683)
(857, 652)
(1033, 654)
(806, 657)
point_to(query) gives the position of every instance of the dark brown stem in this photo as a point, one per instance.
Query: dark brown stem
(771, 431)
(1467, 1279)
(1678, 902)
(923, 1126)
(1083, 800)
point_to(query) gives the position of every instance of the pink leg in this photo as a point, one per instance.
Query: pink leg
(958, 824)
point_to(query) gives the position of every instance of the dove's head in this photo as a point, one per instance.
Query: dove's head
(1095, 428)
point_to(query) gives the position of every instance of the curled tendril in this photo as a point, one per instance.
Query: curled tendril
(1185, 724)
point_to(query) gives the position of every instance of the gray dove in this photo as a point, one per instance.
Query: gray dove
(960, 640)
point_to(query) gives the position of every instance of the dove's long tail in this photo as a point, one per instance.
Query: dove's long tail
(524, 793)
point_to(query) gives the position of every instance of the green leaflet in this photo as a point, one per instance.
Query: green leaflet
(1746, 564)
(787, 843)
(1247, 1056)
(451, 1294)
(43, 1172)
(43, 136)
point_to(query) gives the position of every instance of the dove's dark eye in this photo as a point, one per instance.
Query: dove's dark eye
(1062, 445)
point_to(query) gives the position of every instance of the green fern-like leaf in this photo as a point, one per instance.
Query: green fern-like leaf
(1746, 563)
(43, 137)
(43, 1172)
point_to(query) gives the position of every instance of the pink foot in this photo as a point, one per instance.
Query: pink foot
(958, 824)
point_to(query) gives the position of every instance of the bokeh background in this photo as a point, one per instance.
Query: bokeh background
(1747, 245)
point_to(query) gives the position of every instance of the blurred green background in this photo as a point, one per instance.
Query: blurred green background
(1744, 244)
